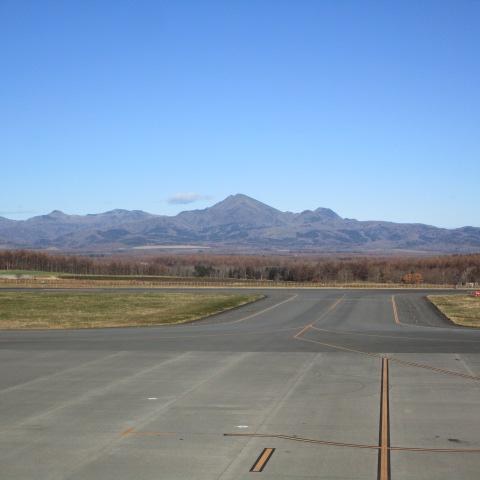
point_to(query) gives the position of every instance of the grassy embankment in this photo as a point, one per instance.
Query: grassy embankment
(460, 309)
(25, 310)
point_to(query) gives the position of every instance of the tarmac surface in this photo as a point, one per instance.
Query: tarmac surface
(304, 384)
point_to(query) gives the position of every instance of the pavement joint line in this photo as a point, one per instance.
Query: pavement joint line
(133, 432)
(226, 334)
(62, 372)
(262, 460)
(384, 434)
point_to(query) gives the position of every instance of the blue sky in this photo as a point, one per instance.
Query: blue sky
(369, 108)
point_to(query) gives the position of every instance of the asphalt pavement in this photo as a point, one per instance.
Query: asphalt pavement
(304, 384)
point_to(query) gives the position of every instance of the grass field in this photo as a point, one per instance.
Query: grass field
(25, 310)
(460, 309)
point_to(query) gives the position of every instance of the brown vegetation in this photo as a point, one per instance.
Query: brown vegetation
(440, 270)
(412, 278)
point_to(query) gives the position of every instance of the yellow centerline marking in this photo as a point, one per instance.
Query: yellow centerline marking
(303, 330)
(395, 311)
(325, 313)
(262, 460)
(330, 309)
(384, 453)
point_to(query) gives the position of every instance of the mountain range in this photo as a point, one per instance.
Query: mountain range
(238, 223)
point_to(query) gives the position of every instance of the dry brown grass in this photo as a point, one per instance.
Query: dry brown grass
(460, 309)
(27, 310)
(172, 282)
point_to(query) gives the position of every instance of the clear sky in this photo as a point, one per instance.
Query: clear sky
(369, 108)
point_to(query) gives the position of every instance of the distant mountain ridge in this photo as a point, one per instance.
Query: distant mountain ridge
(236, 223)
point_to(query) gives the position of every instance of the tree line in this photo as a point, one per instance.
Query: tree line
(441, 269)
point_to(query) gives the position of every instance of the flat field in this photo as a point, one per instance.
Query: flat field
(24, 310)
(460, 309)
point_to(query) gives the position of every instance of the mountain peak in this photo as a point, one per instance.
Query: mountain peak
(241, 200)
(56, 214)
(240, 209)
(319, 216)
(327, 213)
(119, 212)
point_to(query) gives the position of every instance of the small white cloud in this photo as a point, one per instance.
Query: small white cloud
(182, 198)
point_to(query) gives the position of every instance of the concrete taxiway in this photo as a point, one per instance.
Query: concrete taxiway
(320, 384)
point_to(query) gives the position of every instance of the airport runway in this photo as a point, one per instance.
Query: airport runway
(304, 384)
